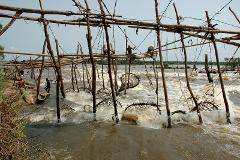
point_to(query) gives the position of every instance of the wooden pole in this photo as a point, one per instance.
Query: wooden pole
(5, 28)
(219, 71)
(60, 71)
(161, 64)
(89, 39)
(210, 80)
(109, 61)
(54, 62)
(75, 76)
(234, 15)
(88, 76)
(186, 72)
(115, 75)
(41, 69)
(83, 72)
(72, 79)
(57, 99)
(125, 85)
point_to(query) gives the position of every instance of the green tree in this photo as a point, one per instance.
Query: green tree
(232, 62)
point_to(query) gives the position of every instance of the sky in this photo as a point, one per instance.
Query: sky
(27, 36)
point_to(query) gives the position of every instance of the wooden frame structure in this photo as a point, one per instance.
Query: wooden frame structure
(90, 19)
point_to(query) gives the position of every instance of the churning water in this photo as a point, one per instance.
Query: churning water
(78, 137)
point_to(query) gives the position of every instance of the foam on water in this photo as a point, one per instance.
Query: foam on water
(77, 107)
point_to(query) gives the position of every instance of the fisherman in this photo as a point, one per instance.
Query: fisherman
(129, 50)
(21, 74)
(21, 83)
(47, 87)
(104, 50)
(150, 51)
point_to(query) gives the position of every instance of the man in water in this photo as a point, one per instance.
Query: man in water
(47, 87)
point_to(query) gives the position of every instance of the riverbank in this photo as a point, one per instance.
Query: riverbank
(12, 139)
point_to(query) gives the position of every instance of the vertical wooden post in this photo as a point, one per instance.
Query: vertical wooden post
(102, 75)
(129, 62)
(125, 85)
(88, 76)
(75, 76)
(33, 76)
(41, 69)
(57, 99)
(210, 80)
(161, 64)
(60, 71)
(84, 86)
(219, 70)
(109, 61)
(72, 77)
(115, 75)
(53, 60)
(89, 39)
(186, 73)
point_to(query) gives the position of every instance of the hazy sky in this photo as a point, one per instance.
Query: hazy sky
(28, 36)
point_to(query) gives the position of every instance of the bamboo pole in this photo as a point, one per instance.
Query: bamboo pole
(5, 28)
(37, 11)
(53, 21)
(161, 64)
(115, 21)
(219, 71)
(186, 72)
(109, 61)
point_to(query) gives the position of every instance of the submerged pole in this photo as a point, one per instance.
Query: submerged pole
(84, 85)
(60, 71)
(210, 80)
(125, 82)
(109, 61)
(72, 77)
(41, 69)
(53, 60)
(57, 99)
(75, 75)
(89, 39)
(161, 64)
(186, 72)
(219, 70)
